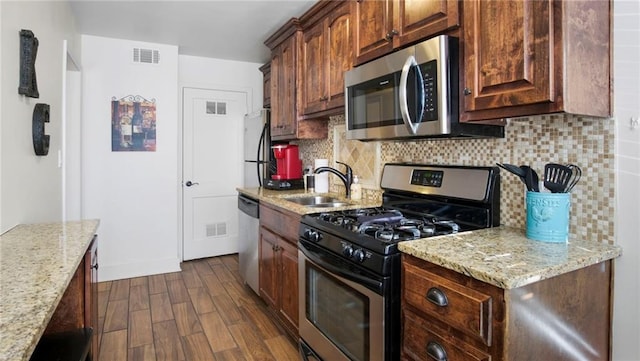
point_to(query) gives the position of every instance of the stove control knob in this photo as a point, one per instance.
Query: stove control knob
(358, 255)
(313, 236)
(347, 251)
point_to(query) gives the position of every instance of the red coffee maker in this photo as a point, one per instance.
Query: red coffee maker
(289, 165)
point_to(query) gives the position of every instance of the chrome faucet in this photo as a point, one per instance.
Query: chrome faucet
(346, 178)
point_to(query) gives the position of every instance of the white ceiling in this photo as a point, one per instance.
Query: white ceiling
(223, 29)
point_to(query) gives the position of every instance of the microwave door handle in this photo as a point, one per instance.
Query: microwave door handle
(404, 103)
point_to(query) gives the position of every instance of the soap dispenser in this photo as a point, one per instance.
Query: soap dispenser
(356, 188)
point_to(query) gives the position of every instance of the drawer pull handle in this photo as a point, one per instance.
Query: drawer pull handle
(436, 351)
(437, 297)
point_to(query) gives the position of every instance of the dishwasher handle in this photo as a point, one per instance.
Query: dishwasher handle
(249, 206)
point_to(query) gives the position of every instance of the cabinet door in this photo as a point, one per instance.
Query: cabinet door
(374, 23)
(422, 19)
(287, 91)
(313, 67)
(340, 53)
(266, 85)
(508, 52)
(283, 90)
(268, 264)
(276, 99)
(289, 283)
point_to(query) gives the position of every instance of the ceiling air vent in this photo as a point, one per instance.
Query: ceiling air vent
(147, 56)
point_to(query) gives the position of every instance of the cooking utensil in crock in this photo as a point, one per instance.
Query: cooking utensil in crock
(576, 174)
(557, 177)
(514, 169)
(531, 179)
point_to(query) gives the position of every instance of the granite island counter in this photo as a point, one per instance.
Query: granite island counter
(37, 264)
(504, 257)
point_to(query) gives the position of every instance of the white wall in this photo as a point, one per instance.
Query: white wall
(626, 313)
(31, 186)
(198, 72)
(135, 194)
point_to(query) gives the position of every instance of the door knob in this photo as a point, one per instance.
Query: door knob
(190, 183)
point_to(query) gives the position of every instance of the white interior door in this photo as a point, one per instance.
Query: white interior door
(212, 169)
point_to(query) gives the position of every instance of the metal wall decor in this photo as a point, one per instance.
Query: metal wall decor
(40, 140)
(28, 51)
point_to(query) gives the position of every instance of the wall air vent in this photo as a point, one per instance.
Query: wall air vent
(147, 56)
(216, 229)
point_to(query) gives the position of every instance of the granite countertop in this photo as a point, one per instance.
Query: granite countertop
(37, 262)
(501, 256)
(279, 199)
(505, 258)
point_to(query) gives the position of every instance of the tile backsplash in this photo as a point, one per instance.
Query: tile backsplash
(561, 138)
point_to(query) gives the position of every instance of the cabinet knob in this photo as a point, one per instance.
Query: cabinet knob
(436, 351)
(391, 34)
(95, 266)
(467, 91)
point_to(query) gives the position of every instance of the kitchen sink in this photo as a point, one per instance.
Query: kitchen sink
(318, 201)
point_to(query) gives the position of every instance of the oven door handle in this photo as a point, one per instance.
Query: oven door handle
(323, 262)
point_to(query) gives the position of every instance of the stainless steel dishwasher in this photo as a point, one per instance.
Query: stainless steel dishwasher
(249, 223)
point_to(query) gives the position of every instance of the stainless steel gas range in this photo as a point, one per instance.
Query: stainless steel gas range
(349, 263)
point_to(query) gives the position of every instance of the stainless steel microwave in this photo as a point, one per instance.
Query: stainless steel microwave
(409, 93)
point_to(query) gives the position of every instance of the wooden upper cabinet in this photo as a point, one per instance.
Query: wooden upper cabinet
(327, 52)
(384, 25)
(339, 53)
(374, 26)
(313, 64)
(286, 120)
(534, 57)
(284, 116)
(418, 20)
(508, 53)
(286, 90)
(266, 85)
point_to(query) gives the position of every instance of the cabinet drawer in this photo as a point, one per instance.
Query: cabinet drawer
(424, 341)
(463, 308)
(286, 225)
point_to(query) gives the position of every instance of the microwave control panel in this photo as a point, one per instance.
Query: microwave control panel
(430, 83)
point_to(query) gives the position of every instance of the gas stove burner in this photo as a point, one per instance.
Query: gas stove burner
(380, 216)
(451, 225)
(403, 229)
(388, 224)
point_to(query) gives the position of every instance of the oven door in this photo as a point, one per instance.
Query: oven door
(342, 309)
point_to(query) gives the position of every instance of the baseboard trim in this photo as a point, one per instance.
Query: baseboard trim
(138, 269)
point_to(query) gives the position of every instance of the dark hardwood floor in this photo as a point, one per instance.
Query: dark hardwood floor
(203, 313)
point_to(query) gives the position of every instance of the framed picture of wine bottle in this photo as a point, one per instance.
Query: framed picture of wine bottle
(133, 124)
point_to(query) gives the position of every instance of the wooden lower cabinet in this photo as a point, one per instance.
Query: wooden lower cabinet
(72, 330)
(278, 263)
(449, 316)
